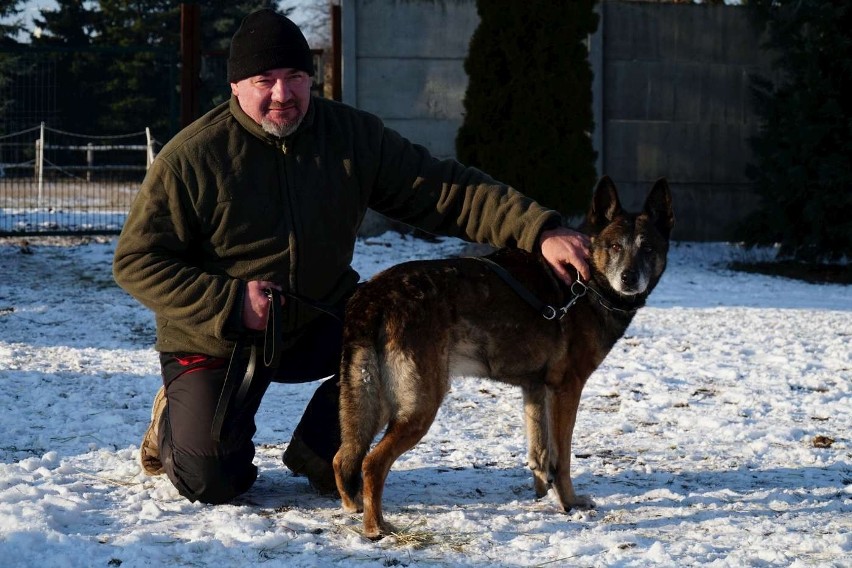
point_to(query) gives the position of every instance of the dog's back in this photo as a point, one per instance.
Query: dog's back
(413, 327)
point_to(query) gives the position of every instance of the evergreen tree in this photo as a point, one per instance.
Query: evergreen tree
(118, 60)
(70, 24)
(10, 23)
(139, 89)
(803, 169)
(10, 60)
(68, 29)
(528, 105)
(221, 18)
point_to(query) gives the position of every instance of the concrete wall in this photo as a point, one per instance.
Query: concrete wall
(673, 100)
(671, 93)
(405, 63)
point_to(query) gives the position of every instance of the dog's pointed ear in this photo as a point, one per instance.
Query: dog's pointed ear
(605, 204)
(658, 206)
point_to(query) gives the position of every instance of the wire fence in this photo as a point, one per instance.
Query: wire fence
(54, 182)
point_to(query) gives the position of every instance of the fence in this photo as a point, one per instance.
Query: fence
(54, 182)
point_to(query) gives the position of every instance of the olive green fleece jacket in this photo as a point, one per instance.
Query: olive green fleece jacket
(225, 203)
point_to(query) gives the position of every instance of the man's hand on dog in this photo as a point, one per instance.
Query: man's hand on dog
(256, 303)
(562, 247)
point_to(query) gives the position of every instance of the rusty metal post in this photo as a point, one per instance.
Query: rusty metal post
(190, 56)
(336, 54)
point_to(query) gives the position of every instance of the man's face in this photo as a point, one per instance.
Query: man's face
(276, 99)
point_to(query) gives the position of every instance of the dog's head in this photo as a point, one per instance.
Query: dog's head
(628, 252)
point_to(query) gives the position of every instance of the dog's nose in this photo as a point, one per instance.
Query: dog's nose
(630, 278)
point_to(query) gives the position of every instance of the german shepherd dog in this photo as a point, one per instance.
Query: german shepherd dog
(414, 326)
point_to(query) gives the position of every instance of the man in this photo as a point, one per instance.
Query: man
(265, 194)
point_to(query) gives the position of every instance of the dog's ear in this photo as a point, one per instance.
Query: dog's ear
(658, 206)
(605, 205)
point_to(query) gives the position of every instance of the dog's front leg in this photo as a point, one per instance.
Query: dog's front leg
(562, 413)
(535, 418)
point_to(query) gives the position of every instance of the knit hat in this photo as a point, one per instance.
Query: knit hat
(267, 40)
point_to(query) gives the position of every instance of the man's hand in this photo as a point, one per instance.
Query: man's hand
(256, 303)
(561, 247)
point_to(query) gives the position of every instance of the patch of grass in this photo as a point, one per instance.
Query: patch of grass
(814, 273)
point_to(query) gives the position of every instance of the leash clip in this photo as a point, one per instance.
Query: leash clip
(576, 295)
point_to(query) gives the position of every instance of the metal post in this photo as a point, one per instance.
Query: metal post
(149, 140)
(337, 56)
(596, 57)
(349, 54)
(90, 160)
(40, 164)
(190, 56)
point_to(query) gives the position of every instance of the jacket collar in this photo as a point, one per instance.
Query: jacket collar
(256, 130)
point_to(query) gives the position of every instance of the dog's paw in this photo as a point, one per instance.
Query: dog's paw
(352, 508)
(352, 504)
(541, 487)
(379, 531)
(580, 503)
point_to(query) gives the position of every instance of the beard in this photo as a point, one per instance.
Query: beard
(281, 130)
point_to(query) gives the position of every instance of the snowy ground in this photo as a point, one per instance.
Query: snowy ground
(717, 433)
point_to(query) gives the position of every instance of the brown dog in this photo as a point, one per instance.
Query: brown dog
(413, 327)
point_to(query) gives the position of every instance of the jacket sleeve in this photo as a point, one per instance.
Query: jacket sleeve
(446, 198)
(156, 259)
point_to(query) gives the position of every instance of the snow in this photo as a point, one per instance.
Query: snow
(695, 437)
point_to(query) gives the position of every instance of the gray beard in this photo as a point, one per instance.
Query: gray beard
(280, 130)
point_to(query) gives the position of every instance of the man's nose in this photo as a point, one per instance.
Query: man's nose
(280, 90)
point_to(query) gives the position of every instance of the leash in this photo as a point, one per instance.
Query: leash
(272, 346)
(547, 311)
(319, 306)
(578, 290)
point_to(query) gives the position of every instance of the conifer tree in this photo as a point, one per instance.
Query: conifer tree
(68, 29)
(803, 154)
(528, 104)
(10, 27)
(138, 85)
(10, 23)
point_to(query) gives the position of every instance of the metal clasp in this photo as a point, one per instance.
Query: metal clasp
(549, 313)
(575, 296)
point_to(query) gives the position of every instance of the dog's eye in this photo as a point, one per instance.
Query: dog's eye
(615, 247)
(647, 249)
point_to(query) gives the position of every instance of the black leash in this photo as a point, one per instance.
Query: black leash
(273, 340)
(547, 311)
(578, 290)
(319, 306)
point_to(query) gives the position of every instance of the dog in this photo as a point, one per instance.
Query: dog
(413, 327)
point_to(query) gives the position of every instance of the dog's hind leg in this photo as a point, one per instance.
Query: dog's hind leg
(399, 438)
(362, 415)
(418, 389)
(535, 417)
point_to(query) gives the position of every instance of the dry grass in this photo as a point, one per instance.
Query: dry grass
(24, 193)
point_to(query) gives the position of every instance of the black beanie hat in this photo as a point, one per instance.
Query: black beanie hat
(267, 40)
